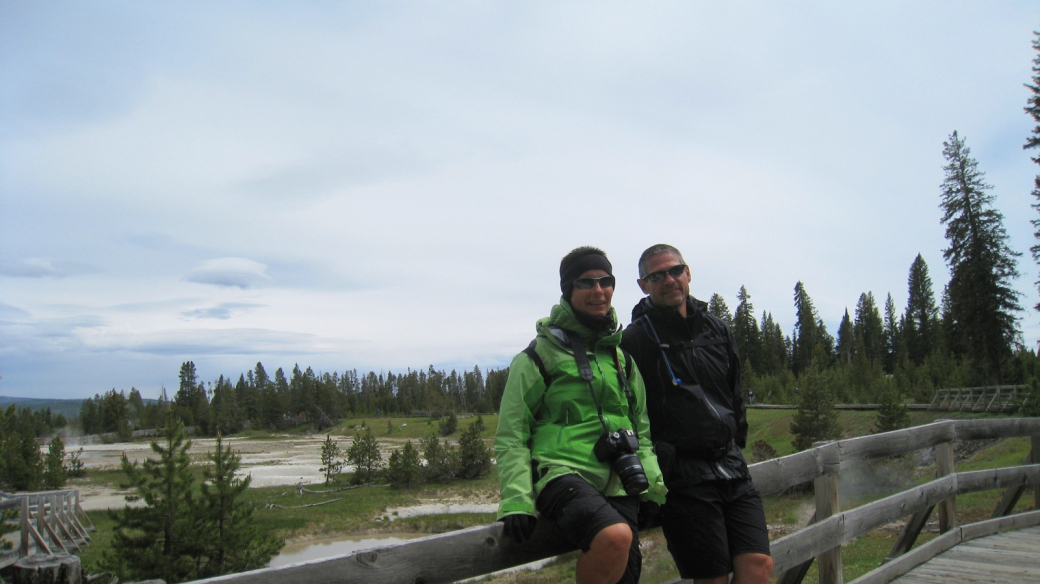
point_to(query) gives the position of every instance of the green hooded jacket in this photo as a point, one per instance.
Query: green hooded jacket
(557, 428)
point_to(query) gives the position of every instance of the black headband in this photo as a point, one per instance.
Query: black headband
(573, 270)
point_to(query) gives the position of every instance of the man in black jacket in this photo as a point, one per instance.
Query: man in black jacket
(713, 518)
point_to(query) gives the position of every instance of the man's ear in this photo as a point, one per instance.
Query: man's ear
(642, 285)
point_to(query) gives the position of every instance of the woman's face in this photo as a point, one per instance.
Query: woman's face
(594, 301)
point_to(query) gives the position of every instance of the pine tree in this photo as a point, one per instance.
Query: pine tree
(474, 455)
(921, 319)
(448, 424)
(403, 470)
(330, 459)
(745, 331)
(892, 340)
(440, 459)
(892, 412)
(232, 542)
(982, 302)
(811, 340)
(1033, 109)
(365, 457)
(815, 419)
(869, 328)
(717, 306)
(846, 347)
(54, 475)
(160, 539)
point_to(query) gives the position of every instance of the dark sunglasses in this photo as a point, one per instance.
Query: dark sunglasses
(590, 283)
(658, 276)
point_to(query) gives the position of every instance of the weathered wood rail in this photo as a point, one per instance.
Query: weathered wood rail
(51, 521)
(1002, 399)
(480, 550)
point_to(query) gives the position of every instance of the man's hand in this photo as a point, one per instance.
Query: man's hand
(519, 526)
(648, 511)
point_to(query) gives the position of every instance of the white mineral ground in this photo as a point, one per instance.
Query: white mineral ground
(287, 461)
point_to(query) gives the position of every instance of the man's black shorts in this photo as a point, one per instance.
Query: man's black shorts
(707, 524)
(580, 511)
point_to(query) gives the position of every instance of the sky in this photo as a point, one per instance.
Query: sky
(389, 185)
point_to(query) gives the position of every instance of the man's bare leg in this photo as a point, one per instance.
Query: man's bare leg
(607, 558)
(747, 569)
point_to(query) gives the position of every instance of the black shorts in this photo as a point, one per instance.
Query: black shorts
(707, 524)
(580, 511)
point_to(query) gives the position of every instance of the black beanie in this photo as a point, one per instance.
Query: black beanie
(579, 261)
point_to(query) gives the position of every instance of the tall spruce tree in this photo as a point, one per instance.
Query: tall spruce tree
(846, 347)
(982, 302)
(869, 328)
(717, 306)
(1033, 141)
(921, 319)
(892, 341)
(811, 340)
(745, 330)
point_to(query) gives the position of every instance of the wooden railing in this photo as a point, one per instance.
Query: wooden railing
(1000, 399)
(51, 521)
(480, 550)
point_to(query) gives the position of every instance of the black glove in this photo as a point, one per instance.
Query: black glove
(648, 511)
(519, 526)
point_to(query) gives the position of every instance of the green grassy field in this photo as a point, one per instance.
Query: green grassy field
(363, 510)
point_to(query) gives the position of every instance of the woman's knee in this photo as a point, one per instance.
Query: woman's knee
(616, 537)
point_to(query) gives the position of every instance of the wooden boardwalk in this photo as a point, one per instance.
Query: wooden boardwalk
(1012, 557)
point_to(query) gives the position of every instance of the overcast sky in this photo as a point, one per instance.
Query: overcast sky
(389, 185)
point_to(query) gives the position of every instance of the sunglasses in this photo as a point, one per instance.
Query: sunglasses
(590, 283)
(659, 276)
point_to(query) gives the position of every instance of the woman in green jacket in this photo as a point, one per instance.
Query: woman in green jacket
(573, 440)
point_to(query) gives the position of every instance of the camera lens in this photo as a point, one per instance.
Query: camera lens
(630, 470)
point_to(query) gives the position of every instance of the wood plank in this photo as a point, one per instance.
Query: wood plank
(997, 428)
(944, 465)
(779, 474)
(856, 451)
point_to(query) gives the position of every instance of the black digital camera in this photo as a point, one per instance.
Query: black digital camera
(619, 449)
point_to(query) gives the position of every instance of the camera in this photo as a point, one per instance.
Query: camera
(619, 449)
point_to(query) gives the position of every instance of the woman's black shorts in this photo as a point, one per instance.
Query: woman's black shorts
(580, 511)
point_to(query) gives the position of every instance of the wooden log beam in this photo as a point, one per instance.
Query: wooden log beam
(796, 574)
(996, 428)
(779, 474)
(856, 451)
(440, 558)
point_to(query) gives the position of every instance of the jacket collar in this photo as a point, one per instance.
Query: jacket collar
(562, 316)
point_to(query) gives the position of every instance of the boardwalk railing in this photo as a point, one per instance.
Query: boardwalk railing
(999, 399)
(480, 550)
(51, 521)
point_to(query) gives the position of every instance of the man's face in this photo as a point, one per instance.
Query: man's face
(668, 292)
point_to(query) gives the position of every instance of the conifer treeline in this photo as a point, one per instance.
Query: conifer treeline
(258, 400)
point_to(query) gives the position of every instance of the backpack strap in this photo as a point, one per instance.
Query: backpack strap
(530, 352)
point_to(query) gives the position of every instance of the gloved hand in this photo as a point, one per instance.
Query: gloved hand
(519, 526)
(648, 511)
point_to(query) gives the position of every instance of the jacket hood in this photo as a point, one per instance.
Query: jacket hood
(646, 306)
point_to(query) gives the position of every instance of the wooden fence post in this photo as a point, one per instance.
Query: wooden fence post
(826, 488)
(24, 551)
(1034, 457)
(944, 463)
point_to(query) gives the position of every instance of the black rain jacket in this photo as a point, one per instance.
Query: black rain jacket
(699, 425)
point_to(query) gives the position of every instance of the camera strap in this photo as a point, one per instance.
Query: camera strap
(581, 358)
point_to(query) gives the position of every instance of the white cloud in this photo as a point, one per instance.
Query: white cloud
(236, 272)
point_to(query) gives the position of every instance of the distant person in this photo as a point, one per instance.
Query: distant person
(713, 519)
(573, 440)
(751, 397)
